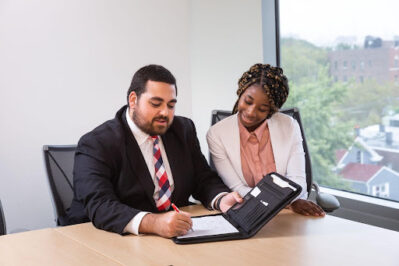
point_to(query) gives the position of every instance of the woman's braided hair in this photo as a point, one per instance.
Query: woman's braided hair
(271, 80)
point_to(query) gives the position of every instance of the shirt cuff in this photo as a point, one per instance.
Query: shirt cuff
(134, 224)
(243, 190)
(304, 192)
(215, 198)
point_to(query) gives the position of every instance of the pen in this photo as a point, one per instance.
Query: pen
(177, 210)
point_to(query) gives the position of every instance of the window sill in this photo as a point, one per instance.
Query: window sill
(364, 209)
(362, 198)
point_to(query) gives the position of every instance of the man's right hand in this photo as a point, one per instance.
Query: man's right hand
(168, 224)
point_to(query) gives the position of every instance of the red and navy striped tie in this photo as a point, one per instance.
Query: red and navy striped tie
(163, 201)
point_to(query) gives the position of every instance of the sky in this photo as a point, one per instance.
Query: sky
(322, 21)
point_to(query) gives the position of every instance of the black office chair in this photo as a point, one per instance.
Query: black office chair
(326, 201)
(59, 160)
(3, 229)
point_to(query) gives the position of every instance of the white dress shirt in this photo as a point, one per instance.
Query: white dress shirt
(146, 146)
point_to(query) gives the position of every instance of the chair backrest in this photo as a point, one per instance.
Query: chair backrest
(3, 229)
(59, 160)
(218, 115)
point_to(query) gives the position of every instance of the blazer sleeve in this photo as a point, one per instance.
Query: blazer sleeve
(296, 160)
(223, 164)
(207, 183)
(94, 171)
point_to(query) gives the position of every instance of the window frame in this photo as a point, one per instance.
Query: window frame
(354, 206)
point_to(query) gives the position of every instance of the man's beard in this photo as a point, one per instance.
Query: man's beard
(150, 128)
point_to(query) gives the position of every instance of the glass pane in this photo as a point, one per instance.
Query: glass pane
(342, 61)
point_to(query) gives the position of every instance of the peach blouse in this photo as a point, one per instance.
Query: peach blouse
(256, 151)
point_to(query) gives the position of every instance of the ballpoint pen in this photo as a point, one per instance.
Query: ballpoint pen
(177, 210)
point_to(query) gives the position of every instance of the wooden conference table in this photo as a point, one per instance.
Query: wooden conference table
(288, 239)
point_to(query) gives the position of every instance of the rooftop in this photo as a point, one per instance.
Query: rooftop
(378, 135)
(360, 172)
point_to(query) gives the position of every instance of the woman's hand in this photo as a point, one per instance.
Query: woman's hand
(307, 207)
(229, 200)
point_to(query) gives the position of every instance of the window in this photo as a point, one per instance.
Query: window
(333, 103)
(381, 190)
(359, 156)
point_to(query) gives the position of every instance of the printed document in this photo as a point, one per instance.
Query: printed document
(210, 225)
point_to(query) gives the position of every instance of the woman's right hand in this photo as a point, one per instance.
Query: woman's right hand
(307, 207)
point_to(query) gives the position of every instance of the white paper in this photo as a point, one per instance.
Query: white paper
(210, 225)
(278, 181)
(255, 192)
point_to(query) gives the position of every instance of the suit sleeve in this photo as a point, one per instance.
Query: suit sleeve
(296, 161)
(94, 171)
(207, 183)
(224, 165)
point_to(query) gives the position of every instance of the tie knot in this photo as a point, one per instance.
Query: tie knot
(154, 138)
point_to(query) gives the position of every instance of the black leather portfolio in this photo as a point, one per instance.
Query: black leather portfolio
(244, 220)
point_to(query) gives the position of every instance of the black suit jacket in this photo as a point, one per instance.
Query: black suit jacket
(112, 182)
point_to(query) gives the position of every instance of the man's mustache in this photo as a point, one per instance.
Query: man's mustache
(161, 118)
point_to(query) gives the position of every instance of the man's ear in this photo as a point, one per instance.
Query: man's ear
(132, 100)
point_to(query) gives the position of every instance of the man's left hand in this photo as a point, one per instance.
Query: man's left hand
(229, 200)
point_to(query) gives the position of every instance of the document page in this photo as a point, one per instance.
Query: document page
(209, 225)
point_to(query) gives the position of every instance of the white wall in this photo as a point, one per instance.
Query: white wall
(226, 39)
(65, 68)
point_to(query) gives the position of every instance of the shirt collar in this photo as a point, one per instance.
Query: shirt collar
(245, 134)
(139, 135)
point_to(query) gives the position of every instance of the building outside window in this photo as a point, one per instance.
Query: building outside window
(351, 125)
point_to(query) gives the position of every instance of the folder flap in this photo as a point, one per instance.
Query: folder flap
(263, 202)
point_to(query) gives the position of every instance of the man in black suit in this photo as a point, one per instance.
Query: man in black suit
(117, 186)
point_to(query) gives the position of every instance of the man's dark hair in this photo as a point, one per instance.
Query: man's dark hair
(150, 72)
